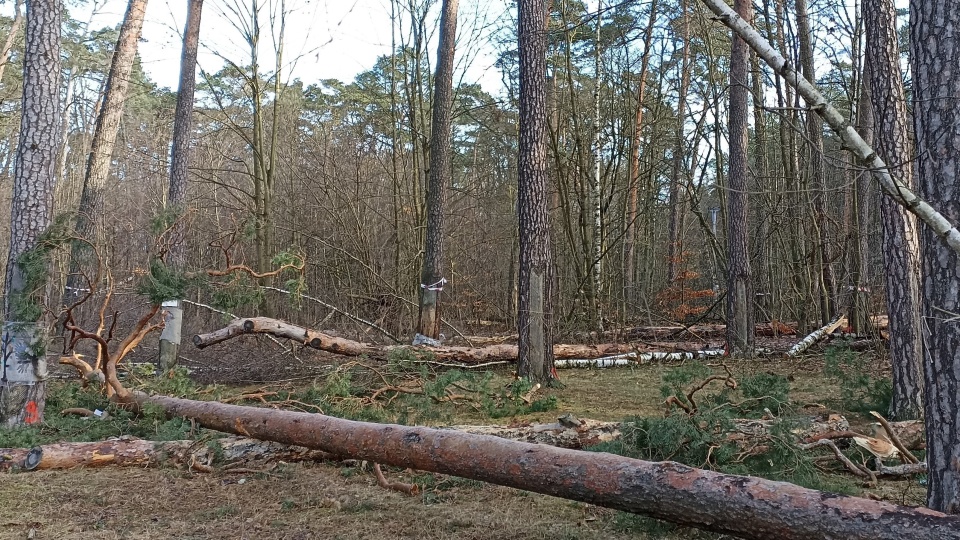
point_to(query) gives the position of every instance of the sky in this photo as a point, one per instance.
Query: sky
(325, 38)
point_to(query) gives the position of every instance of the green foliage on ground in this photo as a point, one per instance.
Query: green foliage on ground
(860, 390)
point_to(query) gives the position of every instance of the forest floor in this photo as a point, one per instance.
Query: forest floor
(331, 500)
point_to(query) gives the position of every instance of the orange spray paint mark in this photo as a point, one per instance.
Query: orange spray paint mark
(33, 414)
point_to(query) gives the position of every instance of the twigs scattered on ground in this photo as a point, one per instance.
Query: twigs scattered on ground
(409, 489)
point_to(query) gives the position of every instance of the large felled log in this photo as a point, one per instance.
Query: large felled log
(347, 347)
(744, 506)
(815, 336)
(127, 451)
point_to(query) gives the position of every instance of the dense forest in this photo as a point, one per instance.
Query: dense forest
(640, 165)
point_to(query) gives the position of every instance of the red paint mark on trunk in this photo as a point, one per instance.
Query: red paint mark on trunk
(32, 415)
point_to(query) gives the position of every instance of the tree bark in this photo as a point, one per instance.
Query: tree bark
(431, 278)
(745, 506)
(535, 302)
(934, 57)
(740, 305)
(860, 210)
(676, 203)
(177, 191)
(22, 389)
(901, 243)
(90, 209)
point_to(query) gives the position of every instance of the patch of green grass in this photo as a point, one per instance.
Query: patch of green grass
(860, 391)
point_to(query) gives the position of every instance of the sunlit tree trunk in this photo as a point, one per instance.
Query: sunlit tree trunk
(536, 283)
(431, 279)
(91, 209)
(177, 192)
(22, 388)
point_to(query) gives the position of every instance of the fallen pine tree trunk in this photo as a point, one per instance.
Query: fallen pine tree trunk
(126, 452)
(745, 506)
(816, 336)
(325, 342)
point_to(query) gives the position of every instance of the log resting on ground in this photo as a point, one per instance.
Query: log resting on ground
(337, 345)
(127, 451)
(745, 506)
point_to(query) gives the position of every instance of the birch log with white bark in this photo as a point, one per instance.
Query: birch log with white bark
(851, 139)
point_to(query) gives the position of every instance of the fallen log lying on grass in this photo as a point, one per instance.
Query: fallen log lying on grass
(745, 506)
(325, 342)
(126, 451)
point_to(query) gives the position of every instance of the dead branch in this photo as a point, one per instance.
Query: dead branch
(409, 489)
(857, 470)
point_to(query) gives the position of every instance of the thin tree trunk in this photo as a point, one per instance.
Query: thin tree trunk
(901, 243)
(740, 306)
(177, 192)
(536, 283)
(676, 203)
(431, 278)
(859, 218)
(22, 388)
(934, 46)
(630, 292)
(104, 138)
(11, 37)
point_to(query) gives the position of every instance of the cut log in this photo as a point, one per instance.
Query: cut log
(126, 451)
(815, 336)
(740, 505)
(337, 345)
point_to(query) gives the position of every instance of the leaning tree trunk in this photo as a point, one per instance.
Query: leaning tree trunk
(935, 63)
(740, 301)
(745, 506)
(177, 194)
(22, 374)
(431, 278)
(535, 309)
(104, 138)
(901, 243)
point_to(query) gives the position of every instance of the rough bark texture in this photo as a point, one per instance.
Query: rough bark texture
(861, 203)
(179, 161)
(740, 308)
(935, 62)
(744, 506)
(347, 347)
(901, 243)
(91, 208)
(22, 401)
(535, 302)
(431, 278)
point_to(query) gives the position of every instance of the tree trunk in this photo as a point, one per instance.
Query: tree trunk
(22, 389)
(901, 243)
(745, 506)
(536, 283)
(90, 209)
(740, 306)
(630, 292)
(816, 186)
(431, 279)
(677, 166)
(934, 44)
(861, 204)
(177, 192)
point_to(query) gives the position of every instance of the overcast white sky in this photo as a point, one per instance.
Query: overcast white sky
(326, 38)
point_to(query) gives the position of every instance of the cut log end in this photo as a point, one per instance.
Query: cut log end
(249, 326)
(33, 458)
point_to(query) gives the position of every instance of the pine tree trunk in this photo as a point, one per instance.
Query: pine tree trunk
(935, 50)
(431, 279)
(536, 282)
(177, 192)
(91, 208)
(901, 249)
(677, 166)
(740, 307)
(22, 374)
